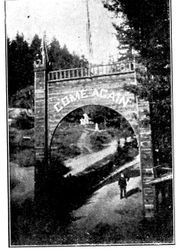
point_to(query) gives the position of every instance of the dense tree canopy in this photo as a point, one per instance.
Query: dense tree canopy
(146, 28)
(21, 56)
(61, 58)
(20, 66)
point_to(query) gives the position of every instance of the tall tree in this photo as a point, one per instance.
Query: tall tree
(20, 68)
(21, 56)
(146, 27)
(61, 58)
(35, 47)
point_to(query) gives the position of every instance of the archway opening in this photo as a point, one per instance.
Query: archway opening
(90, 148)
(91, 137)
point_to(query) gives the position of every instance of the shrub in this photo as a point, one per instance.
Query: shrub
(99, 139)
(25, 158)
(24, 121)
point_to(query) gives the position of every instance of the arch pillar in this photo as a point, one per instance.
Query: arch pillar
(40, 111)
(146, 159)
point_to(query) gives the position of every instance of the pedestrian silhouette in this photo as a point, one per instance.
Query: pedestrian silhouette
(123, 185)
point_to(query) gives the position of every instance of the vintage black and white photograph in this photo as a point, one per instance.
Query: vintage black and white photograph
(90, 114)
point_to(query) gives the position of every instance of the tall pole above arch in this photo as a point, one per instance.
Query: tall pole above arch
(88, 33)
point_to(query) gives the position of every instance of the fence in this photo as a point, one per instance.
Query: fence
(94, 70)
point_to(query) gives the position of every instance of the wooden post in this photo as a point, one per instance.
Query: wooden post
(46, 116)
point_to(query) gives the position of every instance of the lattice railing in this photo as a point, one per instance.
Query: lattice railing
(94, 70)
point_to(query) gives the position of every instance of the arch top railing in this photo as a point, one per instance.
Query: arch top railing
(92, 71)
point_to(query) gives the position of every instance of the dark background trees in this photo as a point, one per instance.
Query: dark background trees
(20, 67)
(61, 58)
(21, 56)
(146, 28)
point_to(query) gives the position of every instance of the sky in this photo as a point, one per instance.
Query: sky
(66, 20)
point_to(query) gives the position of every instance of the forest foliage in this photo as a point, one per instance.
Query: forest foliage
(146, 29)
(21, 57)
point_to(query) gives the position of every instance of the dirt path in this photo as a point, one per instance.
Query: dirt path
(84, 142)
(105, 207)
(80, 163)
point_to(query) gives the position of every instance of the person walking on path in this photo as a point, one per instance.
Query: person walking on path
(123, 185)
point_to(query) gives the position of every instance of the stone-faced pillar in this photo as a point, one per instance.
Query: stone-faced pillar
(146, 159)
(39, 103)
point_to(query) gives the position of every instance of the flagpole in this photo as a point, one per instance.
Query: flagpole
(88, 33)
